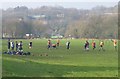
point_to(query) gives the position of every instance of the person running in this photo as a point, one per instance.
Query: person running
(101, 46)
(30, 44)
(114, 44)
(16, 46)
(68, 44)
(93, 45)
(8, 45)
(49, 44)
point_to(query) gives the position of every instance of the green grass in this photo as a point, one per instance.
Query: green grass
(61, 62)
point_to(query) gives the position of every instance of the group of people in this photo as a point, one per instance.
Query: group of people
(49, 44)
(16, 47)
(101, 45)
(86, 45)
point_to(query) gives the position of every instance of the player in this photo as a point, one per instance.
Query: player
(20, 46)
(93, 45)
(30, 45)
(68, 44)
(58, 42)
(12, 45)
(114, 44)
(86, 45)
(49, 44)
(16, 46)
(54, 45)
(8, 45)
(101, 46)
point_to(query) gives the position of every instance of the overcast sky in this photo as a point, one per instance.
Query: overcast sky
(80, 4)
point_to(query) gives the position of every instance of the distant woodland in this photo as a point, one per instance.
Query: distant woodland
(46, 21)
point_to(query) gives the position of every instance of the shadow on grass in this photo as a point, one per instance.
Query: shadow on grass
(33, 69)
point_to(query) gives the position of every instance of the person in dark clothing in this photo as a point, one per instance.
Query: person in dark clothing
(54, 45)
(8, 45)
(16, 46)
(20, 46)
(86, 46)
(49, 44)
(68, 45)
(30, 45)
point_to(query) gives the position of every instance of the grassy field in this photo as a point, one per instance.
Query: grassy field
(61, 62)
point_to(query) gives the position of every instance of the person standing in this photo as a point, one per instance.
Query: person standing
(86, 45)
(58, 42)
(114, 44)
(16, 46)
(68, 44)
(20, 46)
(12, 45)
(49, 44)
(30, 44)
(101, 46)
(93, 44)
(8, 45)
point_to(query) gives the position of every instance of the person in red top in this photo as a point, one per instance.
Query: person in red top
(93, 44)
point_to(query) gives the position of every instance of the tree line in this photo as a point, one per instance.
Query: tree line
(98, 22)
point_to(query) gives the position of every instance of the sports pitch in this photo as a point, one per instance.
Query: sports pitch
(60, 62)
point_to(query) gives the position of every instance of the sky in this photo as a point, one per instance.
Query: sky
(79, 4)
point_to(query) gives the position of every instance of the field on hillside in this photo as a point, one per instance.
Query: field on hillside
(61, 62)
